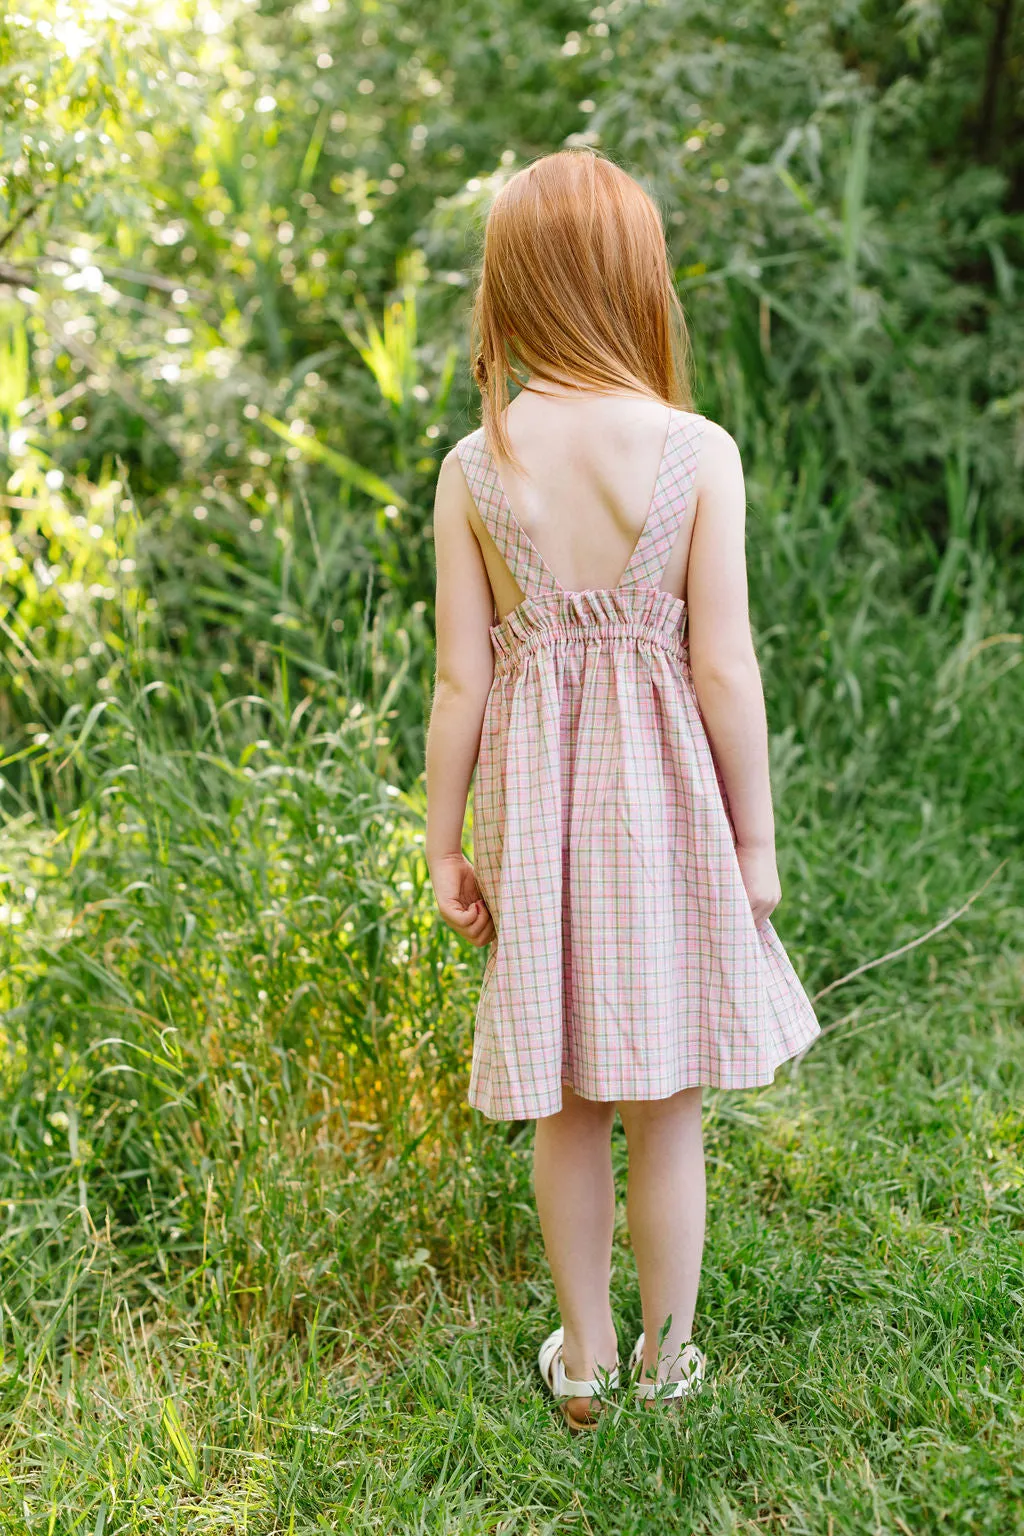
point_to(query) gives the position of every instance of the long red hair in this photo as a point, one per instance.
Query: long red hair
(576, 285)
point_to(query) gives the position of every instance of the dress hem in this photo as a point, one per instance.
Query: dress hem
(652, 1098)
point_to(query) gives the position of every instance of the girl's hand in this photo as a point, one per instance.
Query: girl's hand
(459, 900)
(760, 878)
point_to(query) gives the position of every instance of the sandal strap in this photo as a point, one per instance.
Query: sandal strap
(594, 1387)
(562, 1385)
(692, 1360)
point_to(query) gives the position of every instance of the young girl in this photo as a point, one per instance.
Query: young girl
(595, 667)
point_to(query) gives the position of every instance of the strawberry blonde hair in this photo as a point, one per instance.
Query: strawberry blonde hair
(576, 282)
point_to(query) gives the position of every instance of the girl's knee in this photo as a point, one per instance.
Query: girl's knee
(644, 1119)
(583, 1116)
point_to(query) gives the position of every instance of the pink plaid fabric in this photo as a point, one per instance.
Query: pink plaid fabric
(626, 960)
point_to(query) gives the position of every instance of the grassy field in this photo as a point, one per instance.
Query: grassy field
(262, 1270)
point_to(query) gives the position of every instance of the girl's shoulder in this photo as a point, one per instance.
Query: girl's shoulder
(467, 453)
(711, 431)
(718, 448)
(714, 449)
(718, 475)
(462, 451)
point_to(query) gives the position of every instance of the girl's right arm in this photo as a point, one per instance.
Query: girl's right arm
(724, 667)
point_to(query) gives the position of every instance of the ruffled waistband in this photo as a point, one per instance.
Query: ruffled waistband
(579, 618)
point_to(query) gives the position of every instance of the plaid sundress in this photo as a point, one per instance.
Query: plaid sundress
(626, 961)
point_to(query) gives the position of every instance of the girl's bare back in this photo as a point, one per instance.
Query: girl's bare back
(591, 462)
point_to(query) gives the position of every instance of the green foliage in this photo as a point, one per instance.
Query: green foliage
(240, 262)
(837, 219)
(240, 283)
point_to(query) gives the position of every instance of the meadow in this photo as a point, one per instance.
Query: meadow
(261, 1269)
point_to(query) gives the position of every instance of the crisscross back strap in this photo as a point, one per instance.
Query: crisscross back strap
(531, 574)
(672, 502)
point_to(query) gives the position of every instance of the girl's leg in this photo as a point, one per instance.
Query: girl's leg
(572, 1180)
(665, 1208)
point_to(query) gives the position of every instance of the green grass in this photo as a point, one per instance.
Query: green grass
(263, 1272)
(861, 1309)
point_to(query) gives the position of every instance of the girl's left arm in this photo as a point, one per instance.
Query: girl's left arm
(464, 671)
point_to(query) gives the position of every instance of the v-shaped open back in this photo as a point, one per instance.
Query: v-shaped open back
(670, 505)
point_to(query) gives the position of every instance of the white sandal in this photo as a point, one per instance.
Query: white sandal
(693, 1363)
(564, 1387)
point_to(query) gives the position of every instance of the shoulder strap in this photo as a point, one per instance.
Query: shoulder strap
(523, 560)
(671, 503)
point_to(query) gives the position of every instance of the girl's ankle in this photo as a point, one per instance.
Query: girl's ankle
(666, 1368)
(583, 1364)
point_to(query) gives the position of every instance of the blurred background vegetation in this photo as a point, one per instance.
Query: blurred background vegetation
(236, 250)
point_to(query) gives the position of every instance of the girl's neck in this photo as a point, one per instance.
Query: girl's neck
(567, 389)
